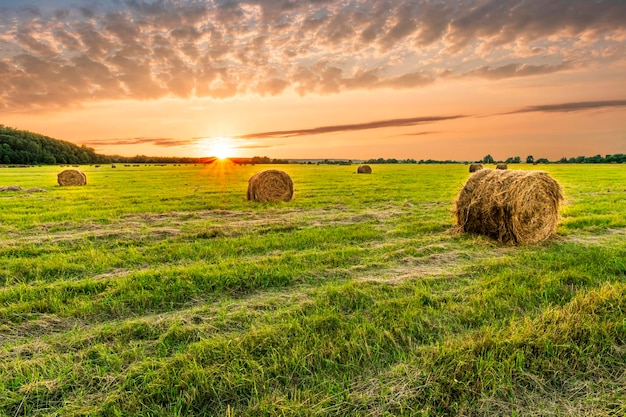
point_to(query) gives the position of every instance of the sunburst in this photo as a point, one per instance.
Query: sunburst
(219, 147)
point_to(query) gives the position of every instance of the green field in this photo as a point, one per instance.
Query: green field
(161, 291)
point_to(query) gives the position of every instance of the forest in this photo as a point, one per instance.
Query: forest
(27, 148)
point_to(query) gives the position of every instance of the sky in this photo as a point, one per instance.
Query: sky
(350, 79)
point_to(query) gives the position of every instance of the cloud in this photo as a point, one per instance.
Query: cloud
(257, 146)
(412, 121)
(420, 133)
(163, 142)
(168, 142)
(499, 22)
(516, 70)
(146, 50)
(570, 107)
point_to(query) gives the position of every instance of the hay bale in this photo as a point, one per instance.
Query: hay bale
(502, 166)
(270, 185)
(475, 167)
(364, 169)
(510, 206)
(11, 188)
(71, 177)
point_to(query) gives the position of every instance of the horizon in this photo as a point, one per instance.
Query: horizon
(420, 80)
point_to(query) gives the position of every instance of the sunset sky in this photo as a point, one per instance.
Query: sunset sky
(319, 79)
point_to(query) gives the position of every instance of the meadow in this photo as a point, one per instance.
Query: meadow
(161, 291)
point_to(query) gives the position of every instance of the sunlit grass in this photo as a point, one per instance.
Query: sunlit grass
(162, 291)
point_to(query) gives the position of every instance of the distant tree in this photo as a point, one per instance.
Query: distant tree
(530, 159)
(488, 159)
(596, 159)
(563, 160)
(615, 159)
(260, 160)
(542, 161)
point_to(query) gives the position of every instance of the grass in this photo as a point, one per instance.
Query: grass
(160, 291)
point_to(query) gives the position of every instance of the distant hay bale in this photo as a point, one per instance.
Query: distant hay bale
(475, 167)
(11, 188)
(270, 185)
(71, 177)
(510, 206)
(364, 169)
(502, 166)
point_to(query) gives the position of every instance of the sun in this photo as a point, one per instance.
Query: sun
(219, 147)
(223, 148)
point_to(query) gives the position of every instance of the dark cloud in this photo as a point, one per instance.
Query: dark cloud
(412, 121)
(164, 142)
(411, 80)
(500, 22)
(153, 49)
(257, 146)
(516, 70)
(571, 107)
(402, 25)
(419, 133)
(28, 39)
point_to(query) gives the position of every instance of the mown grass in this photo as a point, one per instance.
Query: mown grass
(161, 291)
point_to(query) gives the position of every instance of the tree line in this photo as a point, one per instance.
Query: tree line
(597, 159)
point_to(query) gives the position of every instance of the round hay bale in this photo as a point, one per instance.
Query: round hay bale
(71, 177)
(475, 167)
(270, 185)
(502, 166)
(364, 169)
(510, 206)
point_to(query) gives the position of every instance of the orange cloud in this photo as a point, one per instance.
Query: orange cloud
(61, 55)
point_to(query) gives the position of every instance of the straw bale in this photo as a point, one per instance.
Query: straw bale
(475, 167)
(72, 177)
(11, 188)
(510, 206)
(270, 185)
(502, 166)
(364, 169)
